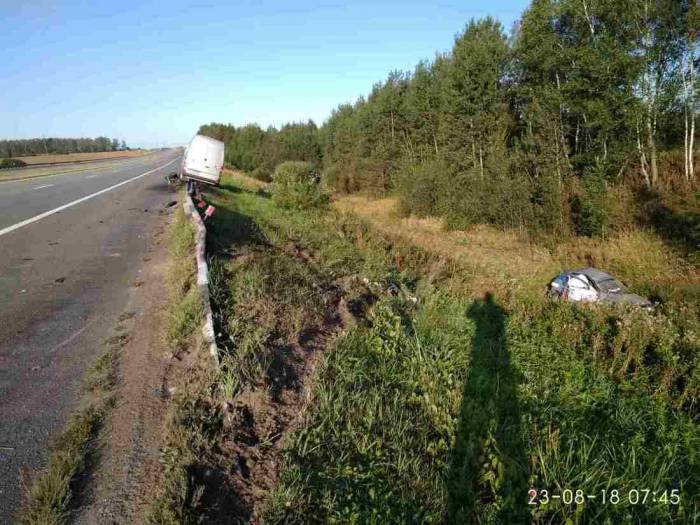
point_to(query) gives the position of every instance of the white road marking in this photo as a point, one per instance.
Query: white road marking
(71, 338)
(91, 176)
(44, 186)
(36, 218)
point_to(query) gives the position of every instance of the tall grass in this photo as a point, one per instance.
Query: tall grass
(450, 407)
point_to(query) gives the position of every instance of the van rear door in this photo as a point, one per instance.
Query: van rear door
(204, 159)
(213, 159)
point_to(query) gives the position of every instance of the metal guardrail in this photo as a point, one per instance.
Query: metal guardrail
(203, 276)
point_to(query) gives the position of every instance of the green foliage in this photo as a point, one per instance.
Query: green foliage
(421, 187)
(251, 148)
(12, 163)
(589, 209)
(296, 185)
(516, 124)
(27, 147)
(262, 173)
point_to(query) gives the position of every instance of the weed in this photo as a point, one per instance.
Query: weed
(55, 489)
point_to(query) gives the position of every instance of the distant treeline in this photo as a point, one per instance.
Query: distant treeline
(557, 126)
(27, 147)
(252, 149)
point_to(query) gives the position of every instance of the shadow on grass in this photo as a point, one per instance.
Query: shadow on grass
(488, 474)
(229, 230)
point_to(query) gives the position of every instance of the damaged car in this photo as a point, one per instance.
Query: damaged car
(591, 285)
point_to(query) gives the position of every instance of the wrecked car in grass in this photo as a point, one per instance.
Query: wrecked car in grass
(591, 285)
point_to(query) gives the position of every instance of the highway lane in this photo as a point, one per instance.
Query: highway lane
(64, 280)
(21, 199)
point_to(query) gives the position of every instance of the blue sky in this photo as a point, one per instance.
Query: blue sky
(152, 72)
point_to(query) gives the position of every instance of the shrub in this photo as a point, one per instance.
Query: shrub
(12, 163)
(296, 185)
(262, 173)
(419, 187)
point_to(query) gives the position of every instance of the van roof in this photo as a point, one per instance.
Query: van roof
(204, 138)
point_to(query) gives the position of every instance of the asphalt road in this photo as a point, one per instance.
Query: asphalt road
(71, 249)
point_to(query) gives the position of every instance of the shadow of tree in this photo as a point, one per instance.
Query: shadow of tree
(488, 477)
(675, 220)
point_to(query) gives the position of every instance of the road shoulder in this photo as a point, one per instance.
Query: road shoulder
(130, 444)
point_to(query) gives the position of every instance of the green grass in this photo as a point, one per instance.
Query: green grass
(173, 496)
(51, 498)
(185, 311)
(448, 408)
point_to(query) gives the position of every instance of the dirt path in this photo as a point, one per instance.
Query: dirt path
(128, 463)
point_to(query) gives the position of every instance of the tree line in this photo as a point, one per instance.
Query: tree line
(252, 149)
(46, 146)
(582, 106)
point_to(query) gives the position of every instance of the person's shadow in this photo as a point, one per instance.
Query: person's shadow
(488, 477)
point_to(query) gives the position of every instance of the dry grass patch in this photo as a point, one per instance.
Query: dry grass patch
(245, 181)
(79, 157)
(501, 259)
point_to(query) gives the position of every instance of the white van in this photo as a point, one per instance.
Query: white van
(203, 160)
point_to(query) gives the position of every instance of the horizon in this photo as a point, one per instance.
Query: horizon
(86, 70)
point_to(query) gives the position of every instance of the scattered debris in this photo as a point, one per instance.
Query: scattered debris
(59, 280)
(171, 204)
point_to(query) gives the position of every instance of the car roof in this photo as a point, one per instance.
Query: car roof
(601, 279)
(595, 275)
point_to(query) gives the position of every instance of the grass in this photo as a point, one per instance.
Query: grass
(268, 306)
(452, 396)
(52, 496)
(185, 312)
(174, 496)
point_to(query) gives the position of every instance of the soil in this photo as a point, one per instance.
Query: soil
(259, 420)
(247, 460)
(128, 465)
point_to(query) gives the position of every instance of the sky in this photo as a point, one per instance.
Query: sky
(151, 72)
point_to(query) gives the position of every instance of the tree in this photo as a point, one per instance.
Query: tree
(658, 39)
(689, 100)
(475, 109)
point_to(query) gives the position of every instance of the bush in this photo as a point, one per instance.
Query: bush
(12, 163)
(419, 187)
(296, 185)
(262, 173)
